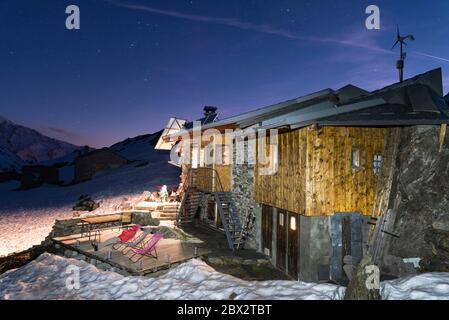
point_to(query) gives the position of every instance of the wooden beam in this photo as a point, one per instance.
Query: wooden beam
(443, 129)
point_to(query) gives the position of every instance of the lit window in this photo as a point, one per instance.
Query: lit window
(377, 162)
(355, 158)
(293, 223)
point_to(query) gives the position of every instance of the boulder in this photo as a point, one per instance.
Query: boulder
(364, 283)
(144, 219)
(85, 203)
(438, 259)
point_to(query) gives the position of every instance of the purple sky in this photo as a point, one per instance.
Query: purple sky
(136, 63)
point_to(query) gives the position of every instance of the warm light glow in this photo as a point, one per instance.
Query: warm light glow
(293, 223)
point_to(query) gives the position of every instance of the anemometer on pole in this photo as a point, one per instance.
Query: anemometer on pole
(400, 63)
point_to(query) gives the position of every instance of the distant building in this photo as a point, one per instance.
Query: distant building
(36, 175)
(87, 165)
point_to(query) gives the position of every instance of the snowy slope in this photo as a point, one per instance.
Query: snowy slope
(45, 278)
(30, 145)
(9, 161)
(141, 148)
(26, 217)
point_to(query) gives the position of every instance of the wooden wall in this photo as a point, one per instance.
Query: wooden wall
(224, 172)
(315, 175)
(204, 176)
(286, 189)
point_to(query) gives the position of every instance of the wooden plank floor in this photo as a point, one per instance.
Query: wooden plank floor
(170, 251)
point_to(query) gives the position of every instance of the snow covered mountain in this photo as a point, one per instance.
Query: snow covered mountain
(9, 161)
(141, 148)
(30, 145)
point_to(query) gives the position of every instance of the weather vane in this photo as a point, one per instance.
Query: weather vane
(400, 63)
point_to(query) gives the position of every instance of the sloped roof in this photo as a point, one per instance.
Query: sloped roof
(414, 101)
(210, 118)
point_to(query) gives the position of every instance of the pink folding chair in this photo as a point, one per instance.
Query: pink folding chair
(147, 248)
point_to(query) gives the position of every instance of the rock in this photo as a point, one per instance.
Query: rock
(420, 191)
(68, 253)
(103, 266)
(215, 260)
(395, 266)
(362, 285)
(438, 259)
(263, 261)
(442, 225)
(249, 262)
(85, 203)
(144, 219)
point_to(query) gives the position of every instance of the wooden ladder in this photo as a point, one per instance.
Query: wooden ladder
(247, 226)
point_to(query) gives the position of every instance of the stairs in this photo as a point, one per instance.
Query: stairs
(230, 219)
(189, 205)
(170, 211)
(192, 198)
(161, 211)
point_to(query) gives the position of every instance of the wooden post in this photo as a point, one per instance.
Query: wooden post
(442, 135)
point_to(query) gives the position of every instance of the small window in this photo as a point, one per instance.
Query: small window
(293, 223)
(377, 162)
(281, 219)
(355, 158)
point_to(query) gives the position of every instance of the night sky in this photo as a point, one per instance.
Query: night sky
(133, 64)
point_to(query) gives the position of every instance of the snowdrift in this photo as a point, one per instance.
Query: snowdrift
(45, 278)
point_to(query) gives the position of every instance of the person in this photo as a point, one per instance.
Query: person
(163, 193)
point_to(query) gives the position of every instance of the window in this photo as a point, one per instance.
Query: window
(281, 219)
(355, 158)
(293, 223)
(377, 162)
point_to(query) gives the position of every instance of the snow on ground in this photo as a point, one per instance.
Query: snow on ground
(426, 286)
(45, 278)
(27, 217)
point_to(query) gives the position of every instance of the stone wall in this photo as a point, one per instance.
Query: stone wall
(242, 180)
(420, 193)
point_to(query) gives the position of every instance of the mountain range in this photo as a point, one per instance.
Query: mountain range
(21, 145)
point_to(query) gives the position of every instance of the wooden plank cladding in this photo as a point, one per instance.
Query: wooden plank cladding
(316, 175)
(224, 172)
(285, 189)
(202, 179)
(206, 179)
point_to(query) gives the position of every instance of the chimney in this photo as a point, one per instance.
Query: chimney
(209, 110)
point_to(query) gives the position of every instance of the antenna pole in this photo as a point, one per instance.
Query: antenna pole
(401, 69)
(401, 62)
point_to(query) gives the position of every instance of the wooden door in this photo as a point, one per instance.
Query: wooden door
(267, 227)
(293, 244)
(211, 211)
(281, 248)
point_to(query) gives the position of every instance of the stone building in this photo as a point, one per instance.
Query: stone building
(34, 176)
(330, 160)
(89, 164)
